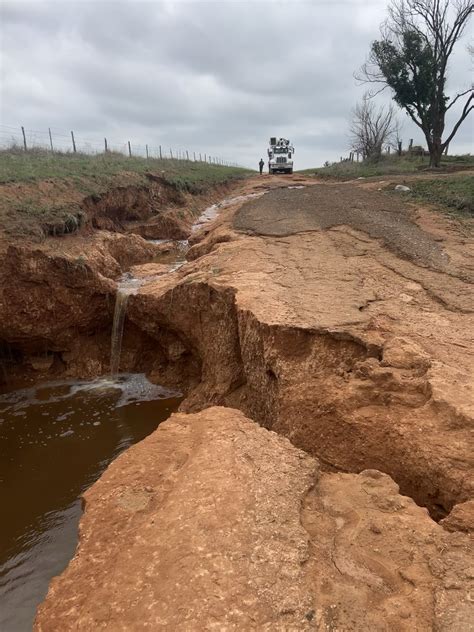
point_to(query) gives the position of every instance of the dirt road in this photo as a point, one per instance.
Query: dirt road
(286, 212)
(342, 319)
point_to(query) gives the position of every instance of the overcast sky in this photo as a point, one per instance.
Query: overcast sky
(215, 77)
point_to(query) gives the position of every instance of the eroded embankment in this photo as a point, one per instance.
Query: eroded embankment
(323, 335)
(213, 522)
(345, 346)
(330, 338)
(57, 296)
(353, 404)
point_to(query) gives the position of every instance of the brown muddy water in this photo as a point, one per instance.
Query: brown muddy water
(56, 439)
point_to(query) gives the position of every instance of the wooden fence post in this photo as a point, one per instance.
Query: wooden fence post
(200, 157)
(24, 137)
(161, 156)
(399, 147)
(50, 140)
(73, 142)
(105, 145)
(194, 155)
(187, 155)
(129, 150)
(146, 148)
(171, 153)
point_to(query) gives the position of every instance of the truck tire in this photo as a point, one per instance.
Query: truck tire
(290, 171)
(270, 171)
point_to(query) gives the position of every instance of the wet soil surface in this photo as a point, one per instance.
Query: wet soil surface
(56, 439)
(284, 212)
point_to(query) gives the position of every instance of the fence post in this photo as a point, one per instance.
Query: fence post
(146, 148)
(105, 145)
(399, 147)
(187, 155)
(73, 142)
(129, 150)
(50, 140)
(205, 158)
(161, 157)
(24, 137)
(171, 153)
(200, 157)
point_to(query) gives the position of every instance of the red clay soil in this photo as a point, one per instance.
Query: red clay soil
(215, 523)
(334, 315)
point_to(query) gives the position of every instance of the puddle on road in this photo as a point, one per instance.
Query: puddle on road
(56, 439)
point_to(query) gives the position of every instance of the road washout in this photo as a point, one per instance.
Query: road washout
(355, 351)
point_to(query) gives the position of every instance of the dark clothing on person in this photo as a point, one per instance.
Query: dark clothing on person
(261, 164)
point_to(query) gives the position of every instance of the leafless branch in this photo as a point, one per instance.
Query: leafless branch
(458, 96)
(464, 114)
(372, 128)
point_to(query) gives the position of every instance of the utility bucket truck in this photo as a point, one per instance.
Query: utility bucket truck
(280, 155)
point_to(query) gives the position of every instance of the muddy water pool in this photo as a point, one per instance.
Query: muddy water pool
(55, 440)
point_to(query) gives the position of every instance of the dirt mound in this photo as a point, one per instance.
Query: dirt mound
(214, 522)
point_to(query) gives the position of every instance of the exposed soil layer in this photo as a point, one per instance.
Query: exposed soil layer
(215, 523)
(348, 332)
(57, 294)
(358, 356)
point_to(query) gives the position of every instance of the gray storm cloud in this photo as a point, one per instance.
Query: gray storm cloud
(220, 77)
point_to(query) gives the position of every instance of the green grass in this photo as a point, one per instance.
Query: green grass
(49, 187)
(452, 194)
(32, 166)
(388, 165)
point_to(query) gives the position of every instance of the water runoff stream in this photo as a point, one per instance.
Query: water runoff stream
(56, 439)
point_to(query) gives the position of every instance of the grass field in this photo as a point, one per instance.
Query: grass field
(40, 190)
(388, 165)
(32, 166)
(452, 194)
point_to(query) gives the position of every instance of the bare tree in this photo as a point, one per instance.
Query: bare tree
(412, 59)
(371, 128)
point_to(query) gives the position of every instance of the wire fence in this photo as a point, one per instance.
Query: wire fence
(64, 141)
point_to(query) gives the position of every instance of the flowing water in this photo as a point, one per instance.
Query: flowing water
(128, 284)
(117, 330)
(56, 439)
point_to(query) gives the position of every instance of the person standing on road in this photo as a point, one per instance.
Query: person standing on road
(260, 164)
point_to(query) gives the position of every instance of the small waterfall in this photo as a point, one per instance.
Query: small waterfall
(128, 284)
(117, 329)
